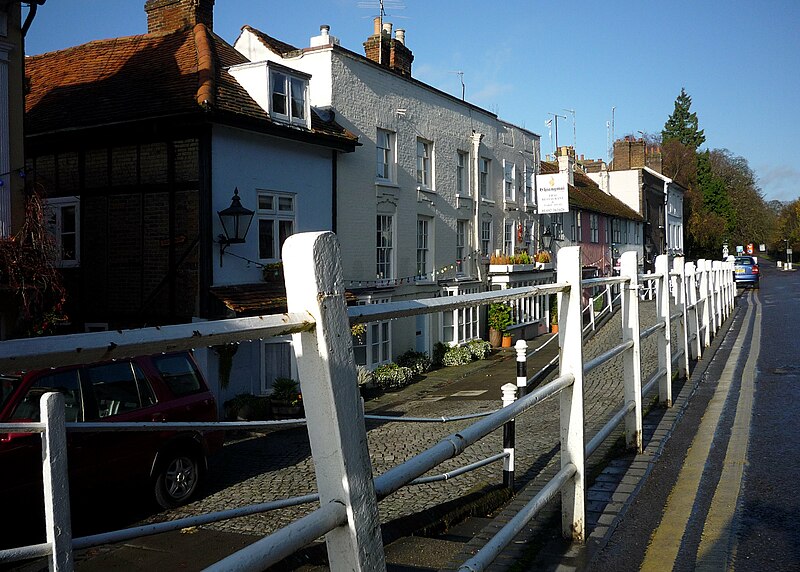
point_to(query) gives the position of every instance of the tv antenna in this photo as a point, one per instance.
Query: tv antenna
(460, 75)
(574, 136)
(555, 119)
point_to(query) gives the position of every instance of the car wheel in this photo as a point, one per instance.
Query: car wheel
(178, 478)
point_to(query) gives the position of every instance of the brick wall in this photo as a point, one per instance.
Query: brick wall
(171, 15)
(126, 246)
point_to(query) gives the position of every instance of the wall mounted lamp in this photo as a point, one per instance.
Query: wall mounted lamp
(236, 222)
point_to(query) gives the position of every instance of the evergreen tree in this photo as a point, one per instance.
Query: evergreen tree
(682, 124)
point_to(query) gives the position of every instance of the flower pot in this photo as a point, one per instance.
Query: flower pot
(507, 341)
(554, 328)
(495, 337)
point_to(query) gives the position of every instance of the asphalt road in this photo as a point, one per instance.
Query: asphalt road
(723, 496)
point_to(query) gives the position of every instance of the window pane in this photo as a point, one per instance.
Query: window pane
(286, 204)
(178, 373)
(115, 388)
(265, 202)
(279, 93)
(68, 219)
(285, 230)
(298, 99)
(65, 383)
(266, 238)
(277, 362)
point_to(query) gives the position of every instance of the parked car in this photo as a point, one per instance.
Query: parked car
(164, 387)
(745, 271)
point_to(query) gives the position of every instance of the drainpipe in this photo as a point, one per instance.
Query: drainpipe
(476, 210)
(32, 7)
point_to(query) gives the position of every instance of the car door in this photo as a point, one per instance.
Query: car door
(21, 453)
(120, 392)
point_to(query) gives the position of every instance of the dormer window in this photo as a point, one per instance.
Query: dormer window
(288, 96)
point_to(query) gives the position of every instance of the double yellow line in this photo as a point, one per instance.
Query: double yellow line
(717, 546)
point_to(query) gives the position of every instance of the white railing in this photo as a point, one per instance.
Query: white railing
(701, 296)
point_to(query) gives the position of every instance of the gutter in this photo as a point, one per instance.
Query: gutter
(32, 7)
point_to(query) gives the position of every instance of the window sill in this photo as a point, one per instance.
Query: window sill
(425, 195)
(486, 201)
(386, 184)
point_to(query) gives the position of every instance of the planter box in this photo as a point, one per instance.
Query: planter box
(545, 266)
(509, 268)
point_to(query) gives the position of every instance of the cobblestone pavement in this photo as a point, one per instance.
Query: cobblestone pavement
(278, 464)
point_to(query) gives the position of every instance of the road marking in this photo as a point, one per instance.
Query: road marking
(718, 533)
(665, 542)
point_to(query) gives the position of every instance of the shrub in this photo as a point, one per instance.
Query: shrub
(457, 356)
(419, 362)
(392, 376)
(286, 389)
(499, 316)
(439, 349)
(479, 348)
(249, 407)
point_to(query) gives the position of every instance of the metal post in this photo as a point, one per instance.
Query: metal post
(664, 337)
(521, 348)
(573, 494)
(327, 372)
(56, 482)
(679, 266)
(509, 437)
(632, 369)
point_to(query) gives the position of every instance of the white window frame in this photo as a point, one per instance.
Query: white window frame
(462, 173)
(484, 168)
(266, 385)
(462, 240)
(594, 228)
(376, 340)
(290, 83)
(424, 251)
(529, 186)
(56, 208)
(486, 237)
(384, 247)
(508, 237)
(275, 214)
(509, 174)
(385, 156)
(424, 163)
(461, 325)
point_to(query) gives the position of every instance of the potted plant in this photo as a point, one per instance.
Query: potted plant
(507, 339)
(499, 322)
(286, 400)
(553, 314)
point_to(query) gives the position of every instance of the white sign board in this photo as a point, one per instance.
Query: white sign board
(552, 194)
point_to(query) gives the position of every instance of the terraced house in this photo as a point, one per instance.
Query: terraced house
(138, 143)
(437, 186)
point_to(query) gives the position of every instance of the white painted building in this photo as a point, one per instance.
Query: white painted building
(437, 185)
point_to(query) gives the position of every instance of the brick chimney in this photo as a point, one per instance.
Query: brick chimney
(566, 163)
(629, 153)
(174, 15)
(387, 51)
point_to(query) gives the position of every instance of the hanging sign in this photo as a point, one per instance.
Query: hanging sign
(552, 195)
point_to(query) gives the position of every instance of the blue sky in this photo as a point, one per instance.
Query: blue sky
(525, 59)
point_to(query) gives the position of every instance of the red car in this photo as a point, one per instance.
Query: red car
(166, 387)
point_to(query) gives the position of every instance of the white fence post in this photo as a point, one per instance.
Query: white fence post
(695, 344)
(327, 371)
(664, 336)
(632, 370)
(679, 266)
(570, 334)
(702, 267)
(56, 481)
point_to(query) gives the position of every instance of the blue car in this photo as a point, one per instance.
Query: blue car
(745, 271)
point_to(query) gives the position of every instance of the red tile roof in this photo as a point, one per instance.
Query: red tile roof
(586, 195)
(144, 77)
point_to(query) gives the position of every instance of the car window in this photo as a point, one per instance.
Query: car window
(744, 260)
(119, 387)
(8, 384)
(65, 382)
(178, 373)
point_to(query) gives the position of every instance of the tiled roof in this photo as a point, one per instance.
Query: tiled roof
(144, 77)
(271, 43)
(586, 195)
(257, 298)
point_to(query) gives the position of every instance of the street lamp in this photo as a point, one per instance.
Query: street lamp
(235, 222)
(547, 239)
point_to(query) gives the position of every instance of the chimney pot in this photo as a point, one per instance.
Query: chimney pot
(387, 28)
(324, 29)
(400, 36)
